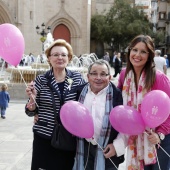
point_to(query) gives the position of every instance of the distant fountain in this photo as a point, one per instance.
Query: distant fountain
(29, 73)
(84, 61)
(49, 40)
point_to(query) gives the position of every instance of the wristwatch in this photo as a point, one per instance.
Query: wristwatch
(161, 136)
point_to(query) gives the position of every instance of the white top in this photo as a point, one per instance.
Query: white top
(160, 62)
(95, 103)
(120, 143)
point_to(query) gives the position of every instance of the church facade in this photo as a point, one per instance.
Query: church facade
(68, 19)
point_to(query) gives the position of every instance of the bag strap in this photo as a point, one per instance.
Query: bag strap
(54, 107)
(56, 116)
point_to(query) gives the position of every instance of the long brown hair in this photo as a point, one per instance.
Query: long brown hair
(149, 67)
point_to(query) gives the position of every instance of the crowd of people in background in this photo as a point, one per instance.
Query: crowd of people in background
(117, 61)
(27, 60)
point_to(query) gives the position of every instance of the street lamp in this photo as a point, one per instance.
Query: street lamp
(43, 33)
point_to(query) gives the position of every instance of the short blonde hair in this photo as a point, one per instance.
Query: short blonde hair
(4, 87)
(60, 42)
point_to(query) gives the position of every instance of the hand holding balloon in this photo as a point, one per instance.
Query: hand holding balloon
(109, 151)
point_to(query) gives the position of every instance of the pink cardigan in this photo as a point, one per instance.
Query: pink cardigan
(161, 83)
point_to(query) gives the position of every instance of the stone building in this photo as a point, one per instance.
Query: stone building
(68, 19)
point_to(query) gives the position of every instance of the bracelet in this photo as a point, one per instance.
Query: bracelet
(161, 136)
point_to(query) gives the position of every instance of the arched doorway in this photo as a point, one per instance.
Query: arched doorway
(61, 31)
(5, 14)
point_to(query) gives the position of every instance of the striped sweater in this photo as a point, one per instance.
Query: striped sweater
(45, 125)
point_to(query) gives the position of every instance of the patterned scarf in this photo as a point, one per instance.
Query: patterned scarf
(104, 134)
(140, 151)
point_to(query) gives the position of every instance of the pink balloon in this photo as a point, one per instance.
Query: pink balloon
(127, 120)
(77, 119)
(11, 44)
(155, 108)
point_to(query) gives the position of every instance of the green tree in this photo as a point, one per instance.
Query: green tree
(159, 38)
(98, 25)
(123, 22)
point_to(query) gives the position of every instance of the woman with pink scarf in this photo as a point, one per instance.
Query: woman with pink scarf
(140, 77)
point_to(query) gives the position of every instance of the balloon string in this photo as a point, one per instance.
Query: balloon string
(103, 150)
(157, 158)
(164, 150)
(27, 86)
(2, 68)
(3, 64)
(36, 67)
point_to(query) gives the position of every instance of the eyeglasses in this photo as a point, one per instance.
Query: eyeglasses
(57, 55)
(142, 53)
(102, 75)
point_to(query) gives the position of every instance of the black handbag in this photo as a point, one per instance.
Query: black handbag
(31, 113)
(61, 138)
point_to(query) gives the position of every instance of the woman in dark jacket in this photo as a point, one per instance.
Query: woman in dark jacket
(60, 83)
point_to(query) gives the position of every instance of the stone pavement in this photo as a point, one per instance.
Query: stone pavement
(16, 137)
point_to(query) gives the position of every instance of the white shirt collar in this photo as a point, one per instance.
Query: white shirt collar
(100, 92)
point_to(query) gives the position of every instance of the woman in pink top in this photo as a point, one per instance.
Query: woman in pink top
(140, 77)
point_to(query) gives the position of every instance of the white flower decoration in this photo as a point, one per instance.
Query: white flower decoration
(70, 82)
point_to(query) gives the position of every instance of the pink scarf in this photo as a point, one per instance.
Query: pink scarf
(140, 151)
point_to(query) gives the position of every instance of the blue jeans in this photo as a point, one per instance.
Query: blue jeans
(163, 158)
(3, 110)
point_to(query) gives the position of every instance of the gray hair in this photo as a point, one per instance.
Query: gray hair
(158, 52)
(100, 62)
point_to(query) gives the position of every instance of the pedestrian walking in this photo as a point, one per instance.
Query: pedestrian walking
(107, 57)
(160, 62)
(4, 100)
(118, 65)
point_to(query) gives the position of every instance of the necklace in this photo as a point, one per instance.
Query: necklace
(59, 80)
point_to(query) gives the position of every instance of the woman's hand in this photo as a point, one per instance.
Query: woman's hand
(153, 138)
(109, 151)
(35, 118)
(30, 91)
